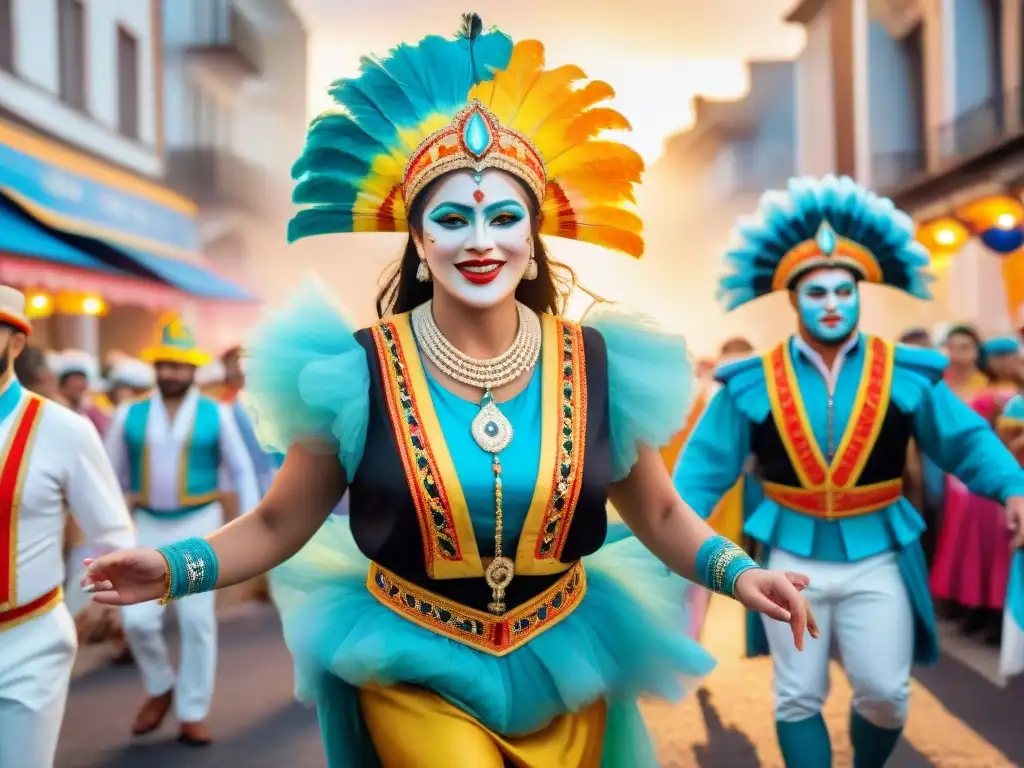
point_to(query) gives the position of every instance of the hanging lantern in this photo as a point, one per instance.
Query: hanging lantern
(79, 303)
(943, 237)
(998, 221)
(38, 304)
(1003, 241)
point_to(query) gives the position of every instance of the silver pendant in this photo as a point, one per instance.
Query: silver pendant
(491, 430)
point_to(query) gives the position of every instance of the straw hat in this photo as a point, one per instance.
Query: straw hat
(12, 309)
(176, 345)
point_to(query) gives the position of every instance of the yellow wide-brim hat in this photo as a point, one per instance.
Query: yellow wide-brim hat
(176, 345)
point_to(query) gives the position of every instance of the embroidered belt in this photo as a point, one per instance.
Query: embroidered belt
(31, 610)
(496, 635)
(169, 514)
(834, 503)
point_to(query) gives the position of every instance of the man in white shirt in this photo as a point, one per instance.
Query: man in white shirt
(168, 450)
(50, 456)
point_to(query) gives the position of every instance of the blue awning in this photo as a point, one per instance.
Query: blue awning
(21, 237)
(186, 277)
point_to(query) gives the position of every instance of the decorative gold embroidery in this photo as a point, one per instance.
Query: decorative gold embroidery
(833, 485)
(835, 502)
(572, 435)
(429, 495)
(868, 413)
(495, 635)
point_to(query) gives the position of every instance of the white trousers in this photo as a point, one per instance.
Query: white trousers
(197, 619)
(863, 608)
(35, 671)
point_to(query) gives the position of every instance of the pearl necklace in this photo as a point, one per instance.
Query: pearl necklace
(490, 429)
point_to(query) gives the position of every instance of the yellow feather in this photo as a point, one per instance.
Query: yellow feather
(580, 188)
(608, 237)
(548, 134)
(512, 84)
(598, 216)
(599, 157)
(593, 122)
(547, 93)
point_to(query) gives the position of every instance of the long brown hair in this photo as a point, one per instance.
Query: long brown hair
(549, 292)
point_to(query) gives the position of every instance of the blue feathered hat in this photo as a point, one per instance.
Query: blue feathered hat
(827, 222)
(1001, 345)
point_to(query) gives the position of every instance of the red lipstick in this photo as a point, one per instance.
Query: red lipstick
(480, 271)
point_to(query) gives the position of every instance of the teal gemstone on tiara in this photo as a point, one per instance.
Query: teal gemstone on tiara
(826, 239)
(477, 134)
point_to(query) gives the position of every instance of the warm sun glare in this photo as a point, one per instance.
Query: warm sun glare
(654, 93)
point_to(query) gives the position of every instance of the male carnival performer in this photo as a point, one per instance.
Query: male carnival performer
(50, 457)
(77, 373)
(168, 450)
(828, 413)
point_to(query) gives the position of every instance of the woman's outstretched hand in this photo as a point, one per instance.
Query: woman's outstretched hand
(777, 595)
(126, 577)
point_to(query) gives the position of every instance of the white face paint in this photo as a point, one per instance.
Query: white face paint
(477, 236)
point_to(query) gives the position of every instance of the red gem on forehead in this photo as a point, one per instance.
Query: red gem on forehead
(478, 195)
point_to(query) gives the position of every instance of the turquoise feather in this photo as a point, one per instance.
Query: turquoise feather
(1002, 345)
(389, 96)
(784, 219)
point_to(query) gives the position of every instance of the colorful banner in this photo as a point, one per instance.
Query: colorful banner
(81, 194)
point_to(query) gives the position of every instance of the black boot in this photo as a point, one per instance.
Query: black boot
(976, 621)
(993, 636)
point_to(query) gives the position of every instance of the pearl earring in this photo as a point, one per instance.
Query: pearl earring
(531, 267)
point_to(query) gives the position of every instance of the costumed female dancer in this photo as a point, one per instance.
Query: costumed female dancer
(465, 612)
(973, 557)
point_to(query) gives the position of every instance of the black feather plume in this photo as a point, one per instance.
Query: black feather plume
(472, 26)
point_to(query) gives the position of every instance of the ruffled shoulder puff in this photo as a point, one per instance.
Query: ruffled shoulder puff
(650, 383)
(307, 378)
(744, 382)
(917, 370)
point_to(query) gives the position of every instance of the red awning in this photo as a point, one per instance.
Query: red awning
(114, 289)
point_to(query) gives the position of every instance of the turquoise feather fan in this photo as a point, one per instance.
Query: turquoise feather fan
(384, 114)
(786, 220)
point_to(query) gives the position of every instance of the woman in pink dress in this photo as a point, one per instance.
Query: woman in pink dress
(972, 564)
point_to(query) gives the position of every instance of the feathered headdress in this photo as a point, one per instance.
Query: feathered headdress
(1001, 345)
(473, 102)
(828, 222)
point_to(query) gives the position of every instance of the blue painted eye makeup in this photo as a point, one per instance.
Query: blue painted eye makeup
(451, 215)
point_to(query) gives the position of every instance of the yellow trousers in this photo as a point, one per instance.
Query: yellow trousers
(412, 727)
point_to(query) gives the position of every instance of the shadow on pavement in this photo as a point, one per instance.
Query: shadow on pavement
(726, 746)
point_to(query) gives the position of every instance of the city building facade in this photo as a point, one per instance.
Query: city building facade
(87, 227)
(235, 118)
(716, 172)
(921, 100)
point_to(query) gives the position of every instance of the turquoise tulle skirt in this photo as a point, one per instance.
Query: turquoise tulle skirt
(626, 639)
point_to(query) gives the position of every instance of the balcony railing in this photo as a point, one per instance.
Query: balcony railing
(981, 127)
(214, 177)
(222, 38)
(893, 169)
